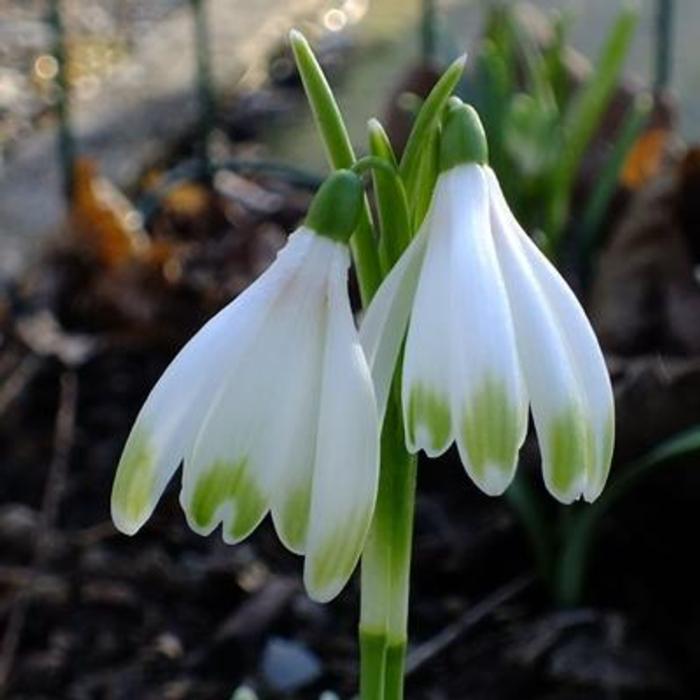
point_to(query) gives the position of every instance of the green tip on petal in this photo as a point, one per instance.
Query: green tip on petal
(463, 139)
(335, 210)
(134, 484)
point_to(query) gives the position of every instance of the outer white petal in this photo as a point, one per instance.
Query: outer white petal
(586, 358)
(261, 423)
(175, 407)
(426, 370)
(556, 395)
(488, 403)
(346, 466)
(384, 325)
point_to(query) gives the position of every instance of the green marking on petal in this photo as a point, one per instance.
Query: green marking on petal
(428, 410)
(491, 431)
(600, 455)
(330, 565)
(293, 517)
(569, 442)
(608, 442)
(133, 485)
(223, 482)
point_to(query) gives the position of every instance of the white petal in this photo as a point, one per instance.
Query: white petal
(488, 402)
(426, 370)
(175, 407)
(586, 358)
(346, 466)
(261, 424)
(557, 398)
(384, 324)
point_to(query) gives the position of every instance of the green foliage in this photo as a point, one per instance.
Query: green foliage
(584, 522)
(539, 124)
(562, 547)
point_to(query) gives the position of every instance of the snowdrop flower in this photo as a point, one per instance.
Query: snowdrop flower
(492, 327)
(271, 407)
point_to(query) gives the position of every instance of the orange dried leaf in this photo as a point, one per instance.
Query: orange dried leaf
(645, 158)
(104, 219)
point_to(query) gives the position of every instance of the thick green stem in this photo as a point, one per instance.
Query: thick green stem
(372, 665)
(386, 568)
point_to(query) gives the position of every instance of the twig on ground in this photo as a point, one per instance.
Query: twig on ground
(64, 432)
(13, 386)
(427, 651)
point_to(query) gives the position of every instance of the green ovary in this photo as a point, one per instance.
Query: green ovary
(431, 411)
(228, 481)
(570, 447)
(135, 480)
(491, 430)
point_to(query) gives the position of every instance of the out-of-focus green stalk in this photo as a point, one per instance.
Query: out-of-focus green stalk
(664, 43)
(205, 84)
(66, 139)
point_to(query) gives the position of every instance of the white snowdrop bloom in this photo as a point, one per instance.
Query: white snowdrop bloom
(271, 407)
(492, 328)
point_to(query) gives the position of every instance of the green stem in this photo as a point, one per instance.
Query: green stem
(372, 665)
(386, 567)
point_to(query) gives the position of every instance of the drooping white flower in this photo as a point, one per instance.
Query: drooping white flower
(492, 327)
(271, 407)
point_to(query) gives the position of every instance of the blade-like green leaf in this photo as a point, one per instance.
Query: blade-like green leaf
(591, 230)
(427, 121)
(392, 204)
(340, 155)
(574, 558)
(583, 116)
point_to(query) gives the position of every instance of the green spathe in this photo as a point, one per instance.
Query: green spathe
(336, 208)
(463, 139)
(227, 483)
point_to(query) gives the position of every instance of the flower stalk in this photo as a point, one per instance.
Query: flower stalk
(386, 563)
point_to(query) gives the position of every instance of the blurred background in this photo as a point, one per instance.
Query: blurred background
(153, 157)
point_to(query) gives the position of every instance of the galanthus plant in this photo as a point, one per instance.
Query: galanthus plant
(279, 404)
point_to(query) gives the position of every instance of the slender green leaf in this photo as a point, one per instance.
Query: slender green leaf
(427, 121)
(340, 155)
(529, 508)
(392, 204)
(590, 228)
(425, 178)
(582, 118)
(572, 563)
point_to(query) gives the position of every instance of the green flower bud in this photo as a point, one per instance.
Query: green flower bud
(462, 139)
(335, 210)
